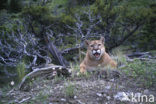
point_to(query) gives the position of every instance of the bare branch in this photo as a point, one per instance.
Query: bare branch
(15, 46)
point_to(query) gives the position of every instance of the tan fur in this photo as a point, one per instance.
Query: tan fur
(91, 61)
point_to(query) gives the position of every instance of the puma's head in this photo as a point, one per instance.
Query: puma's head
(95, 48)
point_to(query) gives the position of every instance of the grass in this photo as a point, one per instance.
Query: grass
(143, 71)
(21, 70)
(75, 68)
(3, 93)
(69, 89)
(119, 56)
(40, 98)
(57, 79)
(76, 71)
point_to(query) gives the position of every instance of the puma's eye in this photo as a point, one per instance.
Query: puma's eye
(91, 45)
(99, 44)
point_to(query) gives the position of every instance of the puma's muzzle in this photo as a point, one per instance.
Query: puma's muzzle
(96, 53)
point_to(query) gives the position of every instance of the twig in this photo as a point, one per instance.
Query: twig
(25, 99)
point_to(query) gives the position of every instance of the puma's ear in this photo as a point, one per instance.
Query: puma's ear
(102, 39)
(87, 42)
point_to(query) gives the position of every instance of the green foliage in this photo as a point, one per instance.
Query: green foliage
(57, 6)
(136, 10)
(38, 16)
(143, 12)
(68, 19)
(21, 70)
(69, 89)
(116, 12)
(142, 70)
(105, 8)
(38, 13)
(9, 22)
(147, 40)
(128, 13)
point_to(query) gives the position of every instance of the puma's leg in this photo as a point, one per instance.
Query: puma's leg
(82, 68)
(113, 64)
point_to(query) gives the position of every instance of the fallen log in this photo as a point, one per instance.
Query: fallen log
(53, 69)
(138, 54)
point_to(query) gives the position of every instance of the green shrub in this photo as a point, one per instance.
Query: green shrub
(38, 13)
(143, 70)
(68, 19)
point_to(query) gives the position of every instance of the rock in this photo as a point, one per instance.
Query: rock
(64, 100)
(99, 94)
(112, 80)
(108, 97)
(146, 91)
(107, 87)
(75, 97)
(104, 95)
(122, 96)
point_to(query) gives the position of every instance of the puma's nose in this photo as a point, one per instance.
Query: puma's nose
(96, 47)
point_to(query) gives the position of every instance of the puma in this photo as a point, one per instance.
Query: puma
(96, 55)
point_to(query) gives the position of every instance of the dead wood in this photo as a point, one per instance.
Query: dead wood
(72, 50)
(49, 69)
(54, 51)
(138, 54)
